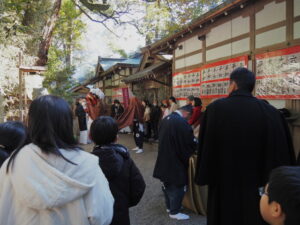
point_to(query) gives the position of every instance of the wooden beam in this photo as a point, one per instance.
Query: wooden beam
(289, 21)
(32, 69)
(160, 82)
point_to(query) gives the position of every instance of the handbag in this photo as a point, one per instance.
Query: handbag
(195, 198)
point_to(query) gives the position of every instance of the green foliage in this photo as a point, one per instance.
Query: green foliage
(67, 34)
(164, 17)
(22, 18)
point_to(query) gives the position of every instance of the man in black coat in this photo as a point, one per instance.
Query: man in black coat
(176, 145)
(116, 109)
(241, 140)
(155, 117)
(81, 114)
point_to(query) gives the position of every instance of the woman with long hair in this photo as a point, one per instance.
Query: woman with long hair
(147, 119)
(82, 121)
(195, 119)
(165, 107)
(173, 104)
(51, 181)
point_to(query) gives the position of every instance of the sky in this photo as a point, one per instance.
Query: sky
(96, 41)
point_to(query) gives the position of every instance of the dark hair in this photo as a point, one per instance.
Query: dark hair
(116, 101)
(13, 134)
(197, 101)
(50, 126)
(191, 97)
(173, 99)
(147, 102)
(244, 79)
(284, 188)
(104, 130)
(187, 108)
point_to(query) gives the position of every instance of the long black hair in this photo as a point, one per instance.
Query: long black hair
(13, 134)
(197, 101)
(173, 99)
(50, 126)
(147, 103)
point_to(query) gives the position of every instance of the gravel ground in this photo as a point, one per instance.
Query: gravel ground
(151, 210)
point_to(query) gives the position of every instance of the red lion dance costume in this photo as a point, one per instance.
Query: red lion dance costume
(94, 104)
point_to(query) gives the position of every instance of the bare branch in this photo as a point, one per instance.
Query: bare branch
(135, 25)
(94, 20)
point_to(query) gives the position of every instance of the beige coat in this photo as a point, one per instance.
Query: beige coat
(47, 190)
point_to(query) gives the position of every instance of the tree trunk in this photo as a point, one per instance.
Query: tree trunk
(68, 48)
(47, 35)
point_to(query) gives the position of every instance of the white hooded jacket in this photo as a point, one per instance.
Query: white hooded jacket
(45, 189)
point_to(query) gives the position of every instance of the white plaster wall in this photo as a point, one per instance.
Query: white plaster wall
(272, 13)
(271, 37)
(188, 61)
(250, 64)
(297, 30)
(240, 26)
(193, 60)
(296, 8)
(279, 104)
(179, 63)
(100, 84)
(218, 52)
(241, 46)
(181, 103)
(122, 72)
(180, 52)
(219, 33)
(192, 44)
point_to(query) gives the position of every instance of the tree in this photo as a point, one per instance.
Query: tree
(22, 21)
(37, 19)
(164, 17)
(66, 36)
(47, 34)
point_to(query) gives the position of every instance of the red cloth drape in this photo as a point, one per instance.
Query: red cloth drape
(135, 110)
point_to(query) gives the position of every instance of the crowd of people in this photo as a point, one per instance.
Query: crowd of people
(46, 178)
(244, 151)
(242, 139)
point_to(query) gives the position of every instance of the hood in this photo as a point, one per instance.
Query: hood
(122, 150)
(43, 181)
(111, 158)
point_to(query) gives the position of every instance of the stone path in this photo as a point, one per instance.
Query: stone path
(151, 210)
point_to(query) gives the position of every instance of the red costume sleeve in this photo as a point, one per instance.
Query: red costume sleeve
(195, 116)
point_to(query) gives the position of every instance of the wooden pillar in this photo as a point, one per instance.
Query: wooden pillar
(1, 109)
(20, 89)
(289, 21)
(252, 37)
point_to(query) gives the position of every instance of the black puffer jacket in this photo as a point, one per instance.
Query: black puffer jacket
(125, 180)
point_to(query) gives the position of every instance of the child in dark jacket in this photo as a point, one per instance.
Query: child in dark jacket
(125, 180)
(13, 135)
